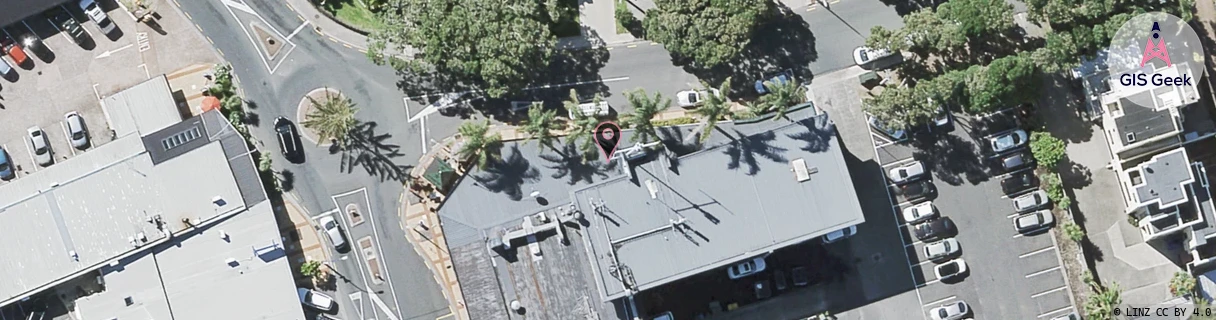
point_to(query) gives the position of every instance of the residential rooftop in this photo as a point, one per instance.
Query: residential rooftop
(1163, 179)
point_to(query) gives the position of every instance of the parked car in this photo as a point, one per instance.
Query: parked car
(779, 279)
(746, 268)
(1034, 221)
(1007, 141)
(97, 15)
(840, 234)
(42, 148)
(942, 249)
(315, 300)
(5, 68)
(951, 311)
(6, 165)
(68, 25)
(31, 42)
(289, 140)
(919, 212)
(935, 228)
(1030, 201)
(1019, 182)
(943, 117)
(693, 98)
(779, 78)
(334, 232)
(763, 289)
(77, 133)
(906, 172)
(1017, 160)
(897, 135)
(800, 275)
(921, 189)
(950, 269)
(591, 109)
(866, 55)
(13, 49)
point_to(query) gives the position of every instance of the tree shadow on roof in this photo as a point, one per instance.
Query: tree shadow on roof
(673, 139)
(367, 149)
(746, 149)
(570, 163)
(508, 175)
(818, 137)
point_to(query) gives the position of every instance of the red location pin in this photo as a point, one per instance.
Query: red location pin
(608, 137)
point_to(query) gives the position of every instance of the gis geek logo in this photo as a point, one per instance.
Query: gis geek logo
(1154, 51)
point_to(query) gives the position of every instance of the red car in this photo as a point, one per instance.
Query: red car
(13, 50)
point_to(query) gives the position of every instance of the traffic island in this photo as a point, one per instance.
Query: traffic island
(306, 106)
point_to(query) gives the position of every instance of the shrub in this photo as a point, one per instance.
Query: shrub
(1182, 284)
(312, 268)
(1047, 150)
(1073, 231)
(1055, 190)
(675, 122)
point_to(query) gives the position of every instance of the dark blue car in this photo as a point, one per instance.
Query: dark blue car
(6, 167)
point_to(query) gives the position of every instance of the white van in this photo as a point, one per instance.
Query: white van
(600, 109)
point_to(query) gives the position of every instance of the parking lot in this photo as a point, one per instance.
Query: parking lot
(1010, 276)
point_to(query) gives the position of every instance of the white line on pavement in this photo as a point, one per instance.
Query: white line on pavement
(422, 130)
(1054, 311)
(884, 140)
(913, 243)
(578, 83)
(895, 212)
(899, 162)
(44, 44)
(1043, 272)
(64, 126)
(1018, 236)
(239, 6)
(1040, 294)
(1036, 252)
(388, 274)
(301, 27)
(934, 303)
(924, 262)
(33, 162)
(927, 283)
(1011, 216)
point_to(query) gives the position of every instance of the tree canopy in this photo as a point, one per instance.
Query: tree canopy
(495, 46)
(1006, 82)
(710, 32)
(976, 18)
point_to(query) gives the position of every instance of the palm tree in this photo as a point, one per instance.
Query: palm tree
(715, 107)
(331, 118)
(583, 125)
(479, 143)
(783, 95)
(644, 109)
(1103, 301)
(541, 124)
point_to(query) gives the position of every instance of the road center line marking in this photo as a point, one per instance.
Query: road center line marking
(239, 6)
(940, 301)
(547, 86)
(1043, 272)
(1040, 294)
(297, 30)
(1036, 252)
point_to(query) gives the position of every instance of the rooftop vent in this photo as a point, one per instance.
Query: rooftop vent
(219, 201)
(654, 191)
(128, 300)
(801, 171)
(1131, 137)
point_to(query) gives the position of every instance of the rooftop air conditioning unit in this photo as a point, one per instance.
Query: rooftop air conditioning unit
(801, 172)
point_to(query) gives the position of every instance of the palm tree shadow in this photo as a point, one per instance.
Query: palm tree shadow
(570, 163)
(508, 175)
(817, 136)
(367, 149)
(673, 139)
(746, 149)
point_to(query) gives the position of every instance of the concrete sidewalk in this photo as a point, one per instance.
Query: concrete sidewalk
(301, 239)
(324, 25)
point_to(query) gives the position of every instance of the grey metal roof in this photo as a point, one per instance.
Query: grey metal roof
(15, 10)
(1165, 178)
(1141, 121)
(189, 276)
(144, 108)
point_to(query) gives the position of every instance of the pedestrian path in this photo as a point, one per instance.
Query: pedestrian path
(301, 239)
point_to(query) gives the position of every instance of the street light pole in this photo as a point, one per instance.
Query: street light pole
(347, 280)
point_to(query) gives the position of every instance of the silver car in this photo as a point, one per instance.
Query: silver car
(906, 172)
(76, 131)
(1008, 141)
(41, 148)
(1030, 201)
(333, 231)
(1034, 221)
(941, 249)
(97, 15)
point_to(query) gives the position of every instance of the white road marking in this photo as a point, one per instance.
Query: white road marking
(895, 212)
(1040, 294)
(388, 275)
(913, 243)
(145, 67)
(57, 30)
(924, 262)
(1024, 255)
(886, 142)
(1018, 236)
(547, 86)
(239, 6)
(898, 162)
(927, 283)
(108, 53)
(1011, 216)
(324, 214)
(1003, 175)
(301, 27)
(229, 4)
(29, 150)
(64, 125)
(422, 121)
(1043, 272)
(1054, 311)
(938, 302)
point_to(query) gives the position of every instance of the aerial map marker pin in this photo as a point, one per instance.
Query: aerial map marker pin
(608, 137)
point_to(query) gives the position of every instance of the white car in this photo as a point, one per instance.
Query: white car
(76, 131)
(591, 109)
(919, 212)
(1008, 141)
(950, 269)
(41, 148)
(333, 231)
(746, 268)
(316, 300)
(693, 98)
(840, 234)
(941, 249)
(906, 172)
(864, 55)
(952, 311)
(1030, 201)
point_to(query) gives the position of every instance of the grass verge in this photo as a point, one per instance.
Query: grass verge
(354, 14)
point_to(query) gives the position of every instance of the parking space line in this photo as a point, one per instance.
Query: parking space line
(934, 303)
(1054, 311)
(31, 29)
(63, 125)
(1043, 272)
(924, 262)
(1011, 216)
(899, 162)
(1018, 236)
(927, 283)
(1036, 252)
(901, 204)
(28, 150)
(1040, 294)
(1013, 172)
(895, 213)
(881, 138)
(913, 243)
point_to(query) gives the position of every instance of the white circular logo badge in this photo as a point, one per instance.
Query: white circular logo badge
(1155, 60)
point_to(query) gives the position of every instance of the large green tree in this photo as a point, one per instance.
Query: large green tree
(714, 108)
(480, 145)
(978, 18)
(783, 95)
(541, 124)
(926, 30)
(332, 118)
(496, 46)
(645, 107)
(1006, 82)
(583, 125)
(710, 32)
(901, 108)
